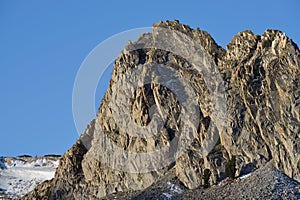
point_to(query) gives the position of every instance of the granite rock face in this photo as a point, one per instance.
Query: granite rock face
(260, 77)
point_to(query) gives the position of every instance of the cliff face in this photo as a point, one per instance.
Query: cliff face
(254, 84)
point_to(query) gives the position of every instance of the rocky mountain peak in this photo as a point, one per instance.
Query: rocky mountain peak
(202, 37)
(242, 46)
(257, 92)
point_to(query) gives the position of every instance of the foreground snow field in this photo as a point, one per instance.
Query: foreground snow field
(19, 176)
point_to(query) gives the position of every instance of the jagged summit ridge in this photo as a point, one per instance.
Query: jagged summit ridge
(261, 77)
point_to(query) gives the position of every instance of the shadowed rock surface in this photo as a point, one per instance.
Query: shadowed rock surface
(261, 77)
(264, 183)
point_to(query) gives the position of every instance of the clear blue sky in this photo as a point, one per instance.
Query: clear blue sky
(43, 43)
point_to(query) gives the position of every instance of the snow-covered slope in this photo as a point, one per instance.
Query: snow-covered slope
(19, 176)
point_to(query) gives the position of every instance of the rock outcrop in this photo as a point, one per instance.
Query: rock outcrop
(259, 90)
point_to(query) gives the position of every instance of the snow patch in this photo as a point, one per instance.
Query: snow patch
(174, 188)
(245, 176)
(169, 196)
(171, 190)
(21, 176)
